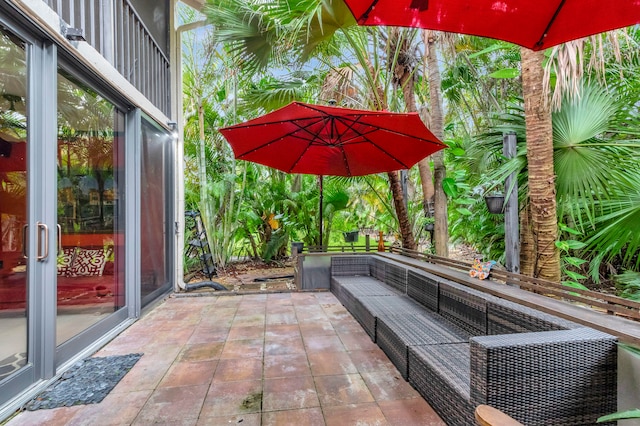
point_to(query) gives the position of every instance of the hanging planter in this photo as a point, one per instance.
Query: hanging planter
(351, 237)
(495, 203)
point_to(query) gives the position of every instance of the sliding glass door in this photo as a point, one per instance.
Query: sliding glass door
(14, 195)
(90, 179)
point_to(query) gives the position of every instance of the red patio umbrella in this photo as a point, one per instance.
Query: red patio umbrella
(327, 140)
(536, 25)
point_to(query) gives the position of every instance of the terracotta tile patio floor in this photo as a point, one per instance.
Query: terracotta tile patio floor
(263, 359)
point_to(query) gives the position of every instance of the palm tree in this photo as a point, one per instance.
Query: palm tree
(441, 231)
(542, 191)
(595, 157)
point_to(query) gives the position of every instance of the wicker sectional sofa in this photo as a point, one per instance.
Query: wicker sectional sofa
(461, 348)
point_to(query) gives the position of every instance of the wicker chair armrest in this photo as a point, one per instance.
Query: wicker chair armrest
(571, 373)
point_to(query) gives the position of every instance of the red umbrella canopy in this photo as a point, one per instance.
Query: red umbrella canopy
(325, 140)
(533, 24)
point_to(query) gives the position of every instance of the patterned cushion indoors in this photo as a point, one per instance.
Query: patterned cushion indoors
(88, 262)
(65, 260)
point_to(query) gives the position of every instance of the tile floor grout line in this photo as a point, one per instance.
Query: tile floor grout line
(306, 355)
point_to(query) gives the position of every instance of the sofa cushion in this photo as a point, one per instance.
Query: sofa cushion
(88, 262)
(440, 373)
(65, 261)
(395, 333)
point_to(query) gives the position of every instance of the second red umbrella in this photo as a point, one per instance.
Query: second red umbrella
(536, 25)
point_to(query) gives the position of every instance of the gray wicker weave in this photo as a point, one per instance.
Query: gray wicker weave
(395, 333)
(504, 317)
(423, 287)
(440, 373)
(539, 369)
(350, 265)
(352, 288)
(368, 308)
(395, 275)
(565, 377)
(377, 266)
(463, 308)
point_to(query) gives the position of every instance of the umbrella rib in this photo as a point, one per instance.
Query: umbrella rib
(313, 137)
(365, 15)
(295, 163)
(251, 151)
(553, 18)
(353, 121)
(363, 135)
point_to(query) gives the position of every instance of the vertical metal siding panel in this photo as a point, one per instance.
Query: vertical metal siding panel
(155, 82)
(127, 46)
(150, 70)
(71, 14)
(117, 37)
(90, 22)
(138, 57)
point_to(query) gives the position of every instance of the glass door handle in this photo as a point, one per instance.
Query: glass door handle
(59, 238)
(24, 241)
(40, 256)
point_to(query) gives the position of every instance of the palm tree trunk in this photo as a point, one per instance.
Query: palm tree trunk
(408, 241)
(441, 228)
(527, 255)
(542, 191)
(379, 101)
(426, 178)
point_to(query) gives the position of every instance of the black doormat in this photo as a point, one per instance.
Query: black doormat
(86, 382)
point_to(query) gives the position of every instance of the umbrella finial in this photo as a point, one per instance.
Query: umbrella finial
(332, 102)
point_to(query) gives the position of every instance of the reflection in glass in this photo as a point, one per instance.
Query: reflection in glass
(90, 175)
(13, 204)
(153, 230)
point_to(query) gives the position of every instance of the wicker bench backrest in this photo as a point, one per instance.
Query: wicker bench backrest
(350, 265)
(395, 275)
(423, 287)
(464, 307)
(504, 317)
(377, 267)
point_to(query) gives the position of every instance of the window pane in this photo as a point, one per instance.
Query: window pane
(90, 178)
(13, 204)
(154, 226)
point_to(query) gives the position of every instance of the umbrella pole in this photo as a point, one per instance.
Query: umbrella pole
(321, 202)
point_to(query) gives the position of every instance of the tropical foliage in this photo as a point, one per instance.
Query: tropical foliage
(255, 57)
